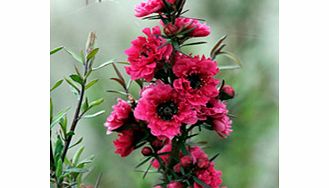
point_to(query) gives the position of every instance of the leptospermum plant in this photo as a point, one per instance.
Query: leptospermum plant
(179, 98)
(65, 171)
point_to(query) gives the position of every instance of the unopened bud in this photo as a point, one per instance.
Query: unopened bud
(157, 144)
(226, 92)
(170, 29)
(147, 151)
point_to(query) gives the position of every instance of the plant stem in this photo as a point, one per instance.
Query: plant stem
(74, 122)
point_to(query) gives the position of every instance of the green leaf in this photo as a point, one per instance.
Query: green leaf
(143, 162)
(148, 168)
(72, 85)
(58, 83)
(119, 92)
(124, 63)
(55, 50)
(98, 181)
(92, 54)
(232, 57)
(140, 83)
(76, 156)
(103, 65)
(91, 84)
(94, 115)
(59, 168)
(228, 67)
(129, 84)
(203, 184)
(76, 170)
(51, 110)
(75, 56)
(193, 43)
(96, 102)
(63, 124)
(77, 78)
(78, 142)
(59, 116)
(85, 105)
(58, 148)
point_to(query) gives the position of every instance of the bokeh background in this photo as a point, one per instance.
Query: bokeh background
(249, 157)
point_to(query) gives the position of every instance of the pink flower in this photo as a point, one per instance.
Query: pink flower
(150, 6)
(118, 117)
(124, 144)
(209, 176)
(184, 24)
(186, 161)
(216, 112)
(196, 78)
(175, 184)
(147, 54)
(164, 110)
(205, 171)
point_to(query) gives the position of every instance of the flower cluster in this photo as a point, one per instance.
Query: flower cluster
(179, 92)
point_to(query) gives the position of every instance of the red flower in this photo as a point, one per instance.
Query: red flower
(209, 176)
(197, 28)
(164, 110)
(146, 53)
(118, 117)
(124, 144)
(216, 112)
(150, 6)
(196, 78)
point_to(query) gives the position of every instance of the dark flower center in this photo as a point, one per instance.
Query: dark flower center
(195, 81)
(167, 110)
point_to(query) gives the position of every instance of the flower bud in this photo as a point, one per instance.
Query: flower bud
(202, 163)
(170, 29)
(226, 92)
(177, 168)
(147, 151)
(157, 144)
(186, 161)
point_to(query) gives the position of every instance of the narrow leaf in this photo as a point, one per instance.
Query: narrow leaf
(103, 65)
(91, 84)
(58, 83)
(77, 78)
(119, 75)
(76, 170)
(119, 92)
(148, 168)
(92, 54)
(143, 162)
(59, 116)
(75, 56)
(55, 50)
(95, 103)
(59, 168)
(72, 85)
(78, 142)
(214, 157)
(193, 43)
(229, 67)
(215, 48)
(76, 156)
(94, 115)
(232, 57)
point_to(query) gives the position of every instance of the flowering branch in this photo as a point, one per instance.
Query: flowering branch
(178, 93)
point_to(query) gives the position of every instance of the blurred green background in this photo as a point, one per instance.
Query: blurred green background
(249, 157)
